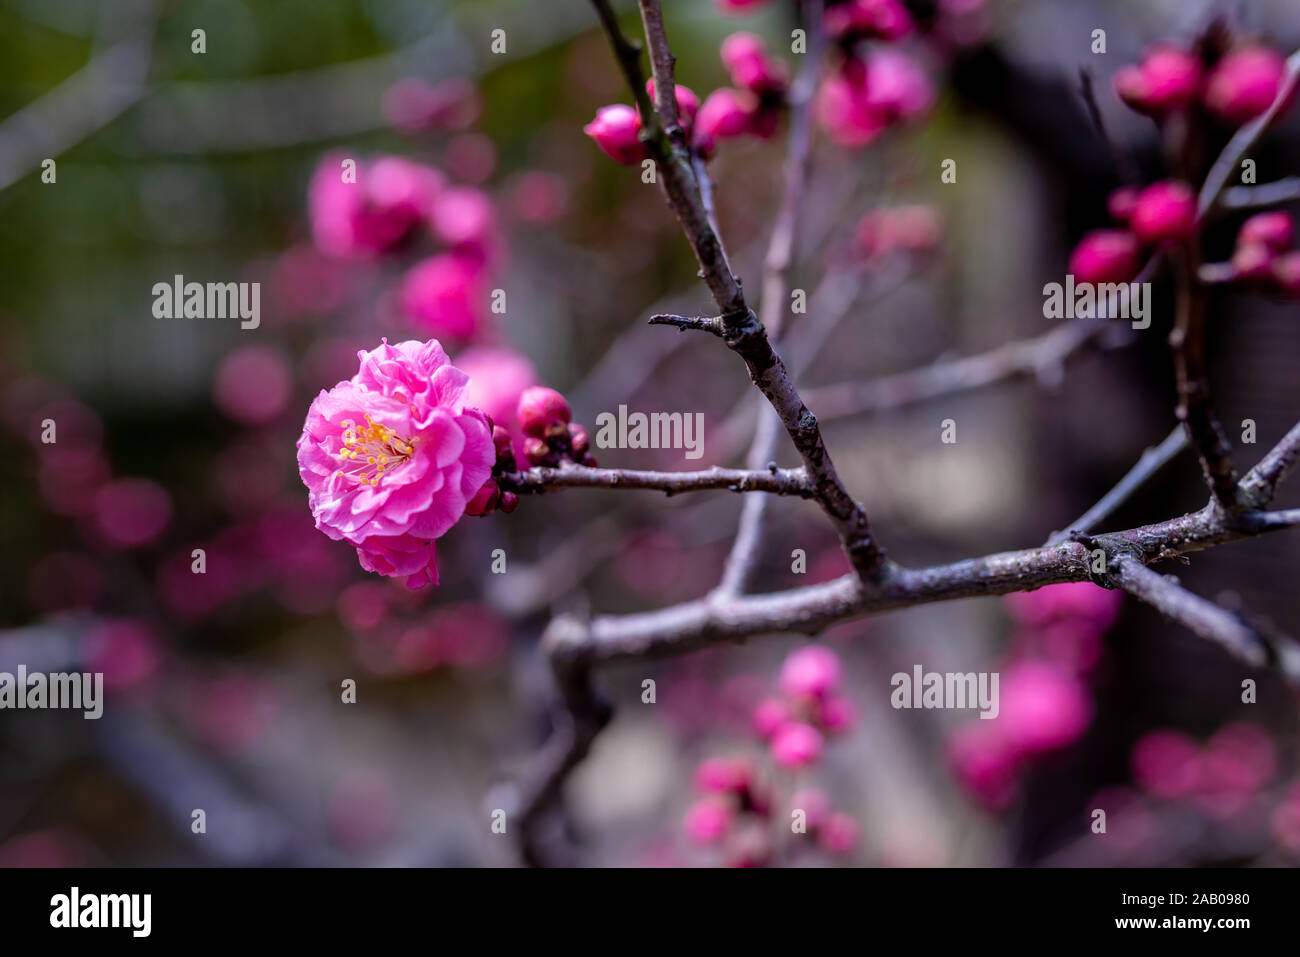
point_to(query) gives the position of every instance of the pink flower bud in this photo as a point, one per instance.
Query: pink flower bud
(1120, 204)
(738, 6)
(1167, 764)
(707, 821)
(836, 714)
(1168, 79)
(541, 408)
(688, 104)
(746, 59)
(1244, 84)
(861, 19)
(769, 716)
(1042, 707)
(1105, 255)
(615, 130)
(985, 763)
(1286, 274)
(812, 671)
(484, 500)
(509, 502)
(1253, 262)
(500, 439)
(1275, 230)
(445, 294)
(839, 835)
(726, 113)
(1164, 212)
(724, 775)
(796, 745)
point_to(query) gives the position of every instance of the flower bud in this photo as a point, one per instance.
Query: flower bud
(540, 408)
(536, 451)
(1244, 84)
(509, 502)
(500, 439)
(1164, 212)
(615, 130)
(1253, 262)
(579, 440)
(1276, 230)
(796, 745)
(484, 500)
(1286, 273)
(1105, 255)
(1120, 204)
(688, 104)
(1167, 79)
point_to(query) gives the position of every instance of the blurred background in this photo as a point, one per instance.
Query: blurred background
(224, 688)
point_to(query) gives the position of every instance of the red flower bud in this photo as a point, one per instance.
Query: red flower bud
(1105, 255)
(1244, 84)
(1276, 230)
(536, 451)
(540, 408)
(1253, 261)
(1164, 212)
(615, 130)
(1286, 273)
(484, 500)
(509, 502)
(579, 441)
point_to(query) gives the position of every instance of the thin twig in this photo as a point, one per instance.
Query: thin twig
(1200, 616)
(1153, 459)
(1028, 357)
(1265, 194)
(1260, 483)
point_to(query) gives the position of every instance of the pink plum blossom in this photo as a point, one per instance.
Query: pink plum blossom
(1042, 707)
(1244, 84)
(812, 671)
(392, 457)
(1105, 255)
(390, 198)
(446, 294)
(796, 745)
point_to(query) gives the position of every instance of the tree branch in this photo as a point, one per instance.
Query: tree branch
(744, 334)
(777, 481)
(1202, 617)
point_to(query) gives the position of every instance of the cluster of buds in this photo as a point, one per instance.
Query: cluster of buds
(809, 708)
(752, 107)
(491, 496)
(855, 20)
(1164, 212)
(1264, 258)
(617, 128)
(1236, 87)
(544, 417)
